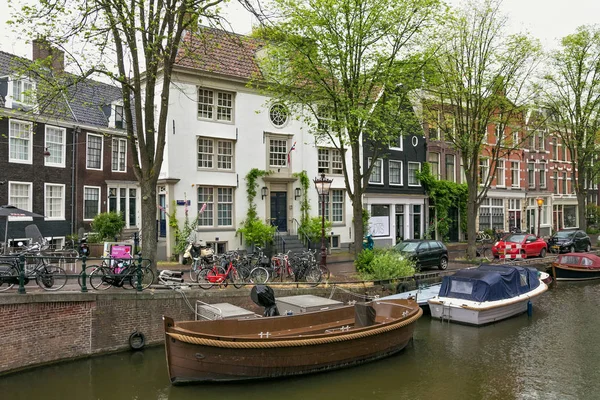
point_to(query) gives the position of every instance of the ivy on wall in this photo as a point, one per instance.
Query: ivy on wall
(254, 230)
(445, 195)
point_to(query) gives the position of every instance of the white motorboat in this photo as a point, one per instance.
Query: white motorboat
(421, 295)
(487, 294)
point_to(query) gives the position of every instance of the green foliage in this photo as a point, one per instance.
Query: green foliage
(108, 225)
(304, 204)
(593, 214)
(254, 230)
(386, 264)
(313, 229)
(444, 195)
(181, 234)
(363, 260)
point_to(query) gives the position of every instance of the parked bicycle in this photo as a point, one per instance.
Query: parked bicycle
(47, 275)
(123, 273)
(218, 275)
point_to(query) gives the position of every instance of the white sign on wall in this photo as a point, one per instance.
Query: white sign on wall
(379, 226)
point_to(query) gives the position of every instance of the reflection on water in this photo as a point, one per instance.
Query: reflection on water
(551, 355)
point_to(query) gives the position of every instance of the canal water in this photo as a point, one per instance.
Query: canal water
(554, 354)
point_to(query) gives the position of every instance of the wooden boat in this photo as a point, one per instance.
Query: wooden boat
(420, 295)
(576, 267)
(270, 347)
(487, 294)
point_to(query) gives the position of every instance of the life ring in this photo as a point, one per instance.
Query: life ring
(401, 288)
(137, 340)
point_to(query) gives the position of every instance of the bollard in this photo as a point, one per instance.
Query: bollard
(139, 273)
(22, 274)
(84, 288)
(529, 308)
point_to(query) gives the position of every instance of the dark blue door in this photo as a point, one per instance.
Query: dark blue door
(163, 216)
(279, 210)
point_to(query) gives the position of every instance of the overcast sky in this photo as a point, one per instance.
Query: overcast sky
(547, 20)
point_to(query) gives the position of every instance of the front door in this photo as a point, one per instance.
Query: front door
(162, 202)
(453, 223)
(279, 210)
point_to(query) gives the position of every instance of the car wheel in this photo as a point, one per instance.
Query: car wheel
(443, 263)
(543, 252)
(572, 249)
(588, 248)
(523, 254)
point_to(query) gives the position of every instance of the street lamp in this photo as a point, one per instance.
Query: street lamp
(323, 184)
(540, 203)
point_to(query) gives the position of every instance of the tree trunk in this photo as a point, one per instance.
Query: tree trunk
(149, 229)
(581, 207)
(357, 213)
(471, 221)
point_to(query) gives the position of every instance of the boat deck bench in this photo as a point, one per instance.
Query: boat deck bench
(313, 328)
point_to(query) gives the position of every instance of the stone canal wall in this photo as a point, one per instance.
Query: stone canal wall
(41, 328)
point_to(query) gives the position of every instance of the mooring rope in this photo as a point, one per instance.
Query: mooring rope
(295, 342)
(360, 296)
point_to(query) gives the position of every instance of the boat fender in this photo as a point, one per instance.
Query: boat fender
(401, 288)
(137, 340)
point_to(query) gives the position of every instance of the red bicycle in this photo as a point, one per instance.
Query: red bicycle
(217, 275)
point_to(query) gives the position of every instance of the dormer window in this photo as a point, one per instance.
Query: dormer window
(120, 122)
(22, 91)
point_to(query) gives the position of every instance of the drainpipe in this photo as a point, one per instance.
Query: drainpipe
(76, 130)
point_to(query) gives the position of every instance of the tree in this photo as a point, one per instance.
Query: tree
(134, 43)
(478, 81)
(571, 94)
(337, 62)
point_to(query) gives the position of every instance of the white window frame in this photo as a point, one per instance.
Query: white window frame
(87, 151)
(401, 172)
(409, 176)
(541, 145)
(214, 106)
(542, 173)
(518, 171)
(215, 154)
(29, 160)
(515, 138)
(398, 145)
(29, 199)
(329, 207)
(530, 174)
(99, 201)
(484, 170)
(62, 202)
(380, 160)
(501, 183)
(112, 155)
(330, 153)
(63, 152)
(20, 99)
(453, 178)
(285, 154)
(437, 174)
(214, 206)
(119, 110)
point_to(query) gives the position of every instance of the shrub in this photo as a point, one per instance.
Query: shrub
(256, 232)
(312, 229)
(108, 225)
(388, 264)
(363, 261)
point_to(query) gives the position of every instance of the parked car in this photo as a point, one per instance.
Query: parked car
(569, 241)
(520, 243)
(427, 253)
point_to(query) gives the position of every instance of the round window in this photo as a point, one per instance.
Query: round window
(279, 115)
(415, 141)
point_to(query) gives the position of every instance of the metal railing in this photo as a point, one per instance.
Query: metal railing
(279, 240)
(302, 236)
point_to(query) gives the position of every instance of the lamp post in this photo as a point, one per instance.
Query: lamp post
(323, 184)
(540, 203)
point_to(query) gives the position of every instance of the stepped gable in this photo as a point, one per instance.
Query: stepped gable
(220, 52)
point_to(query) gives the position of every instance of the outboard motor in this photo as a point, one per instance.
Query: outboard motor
(264, 296)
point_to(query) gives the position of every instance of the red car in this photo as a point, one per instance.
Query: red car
(520, 243)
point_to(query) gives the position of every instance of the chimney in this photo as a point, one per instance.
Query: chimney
(42, 50)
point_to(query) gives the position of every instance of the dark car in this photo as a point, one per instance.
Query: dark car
(569, 241)
(427, 253)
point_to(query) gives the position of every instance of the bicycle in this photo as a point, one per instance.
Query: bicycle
(120, 273)
(484, 251)
(48, 276)
(207, 277)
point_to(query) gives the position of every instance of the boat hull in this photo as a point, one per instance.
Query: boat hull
(562, 273)
(483, 313)
(238, 360)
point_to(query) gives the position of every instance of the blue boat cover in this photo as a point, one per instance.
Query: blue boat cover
(490, 282)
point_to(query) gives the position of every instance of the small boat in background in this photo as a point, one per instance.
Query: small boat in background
(278, 346)
(487, 294)
(576, 267)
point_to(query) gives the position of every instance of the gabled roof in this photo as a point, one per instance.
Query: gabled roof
(85, 98)
(220, 52)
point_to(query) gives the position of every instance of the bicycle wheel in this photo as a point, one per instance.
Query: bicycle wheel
(194, 270)
(9, 276)
(259, 275)
(205, 275)
(236, 278)
(51, 277)
(487, 254)
(99, 278)
(147, 278)
(313, 275)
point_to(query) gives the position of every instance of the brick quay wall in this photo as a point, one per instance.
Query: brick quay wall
(40, 327)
